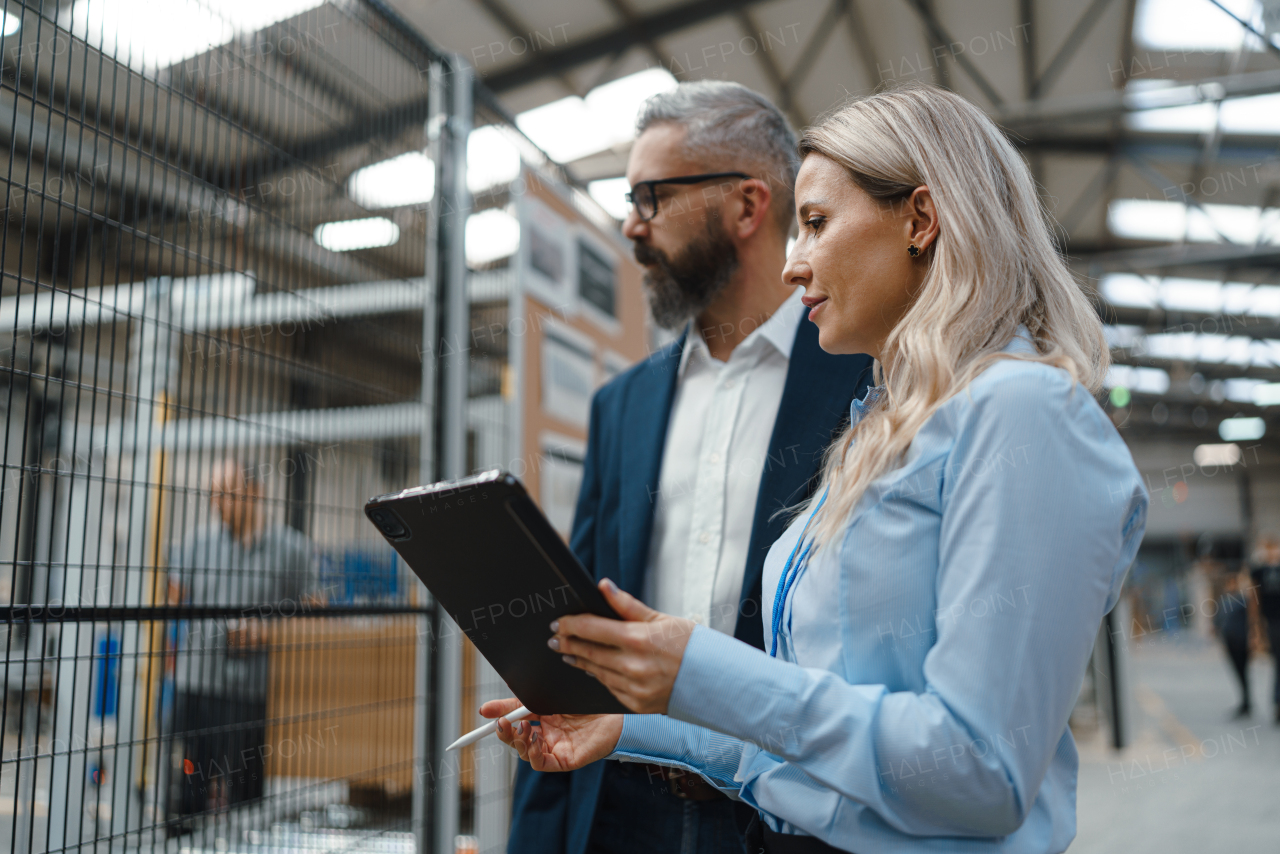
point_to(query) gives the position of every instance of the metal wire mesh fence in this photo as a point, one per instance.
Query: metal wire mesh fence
(219, 264)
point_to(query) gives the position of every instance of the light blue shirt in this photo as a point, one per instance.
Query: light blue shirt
(928, 660)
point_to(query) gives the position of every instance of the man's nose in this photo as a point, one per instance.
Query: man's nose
(633, 227)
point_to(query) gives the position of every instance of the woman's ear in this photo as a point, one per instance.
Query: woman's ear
(922, 218)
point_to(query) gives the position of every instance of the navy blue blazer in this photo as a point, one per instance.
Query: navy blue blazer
(553, 813)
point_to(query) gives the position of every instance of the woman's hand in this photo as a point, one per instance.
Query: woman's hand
(637, 660)
(562, 742)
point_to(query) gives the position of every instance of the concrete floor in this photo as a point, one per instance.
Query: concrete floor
(1193, 780)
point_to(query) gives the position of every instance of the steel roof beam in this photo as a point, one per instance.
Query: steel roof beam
(1156, 321)
(516, 28)
(645, 28)
(1069, 49)
(1181, 148)
(941, 37)
(1108, 105)
(1208, 370)
(836, 10)
(784, 85)
(1030, 61)
(1230, 256)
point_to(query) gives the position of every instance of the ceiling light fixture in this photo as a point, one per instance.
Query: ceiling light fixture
(1216, 455)
(1242, 429)
(407, 179)
(352, 234)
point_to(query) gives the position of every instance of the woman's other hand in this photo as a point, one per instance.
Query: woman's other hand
(637, 660)
(562, 742)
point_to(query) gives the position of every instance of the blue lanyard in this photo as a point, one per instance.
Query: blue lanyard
(788, 576)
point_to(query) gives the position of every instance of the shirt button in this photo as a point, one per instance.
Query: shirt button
(704, 537)
(714, 458)
(728, 383)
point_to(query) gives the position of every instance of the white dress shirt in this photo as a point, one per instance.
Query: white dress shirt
(717, 440)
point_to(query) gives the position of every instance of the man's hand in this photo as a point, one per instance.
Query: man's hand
(562, 742)
(636, 659)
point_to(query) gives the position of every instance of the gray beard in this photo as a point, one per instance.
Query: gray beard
(681, 287)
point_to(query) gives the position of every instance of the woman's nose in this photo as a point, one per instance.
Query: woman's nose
(796, 271)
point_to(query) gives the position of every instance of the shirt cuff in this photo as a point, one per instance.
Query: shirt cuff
(659, 740)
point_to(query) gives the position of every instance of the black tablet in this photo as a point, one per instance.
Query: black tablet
(492, 560)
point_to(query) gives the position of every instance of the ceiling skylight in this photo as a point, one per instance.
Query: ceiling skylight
(408, 179)
(150, 34)
(492, 158)
(618, 102)
(353, 234)
(1236, 298)
(1213, 349)
(1196, 347)
(1146, 380)
(565, 129)
(610, 193)
(1194, 24)
(491, 235)
(1150, 219)
(1198, 109)
(574, 127)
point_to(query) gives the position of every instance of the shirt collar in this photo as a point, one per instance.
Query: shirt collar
(779, 330)
(858, 408)
(1020, 343)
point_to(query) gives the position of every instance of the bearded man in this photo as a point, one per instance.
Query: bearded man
(692, 453)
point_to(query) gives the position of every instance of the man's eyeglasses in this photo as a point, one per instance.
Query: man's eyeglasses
(644, 196)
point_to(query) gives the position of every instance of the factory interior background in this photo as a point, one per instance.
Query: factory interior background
(262, 261)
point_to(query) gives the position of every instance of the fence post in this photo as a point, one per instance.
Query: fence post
(453, 423)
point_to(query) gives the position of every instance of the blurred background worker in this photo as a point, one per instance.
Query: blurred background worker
(220, 702)
(1232, 623)
(1266, 580)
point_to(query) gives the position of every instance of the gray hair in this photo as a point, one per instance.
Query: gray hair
(728, 122)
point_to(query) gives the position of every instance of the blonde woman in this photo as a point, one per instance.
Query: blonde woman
(929, 616)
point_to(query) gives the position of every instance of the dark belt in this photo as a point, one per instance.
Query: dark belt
(790, 843)
(761, 840)
(685, 784)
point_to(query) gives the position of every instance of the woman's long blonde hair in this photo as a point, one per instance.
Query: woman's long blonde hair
(993, 267)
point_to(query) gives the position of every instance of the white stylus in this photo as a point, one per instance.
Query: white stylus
(491, 727)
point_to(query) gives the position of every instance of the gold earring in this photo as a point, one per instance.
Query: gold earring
(913, 250)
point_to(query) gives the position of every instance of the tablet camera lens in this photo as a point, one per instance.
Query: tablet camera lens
(388, 523)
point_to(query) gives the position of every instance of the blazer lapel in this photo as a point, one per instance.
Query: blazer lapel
(814, 406)
(646, 413)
